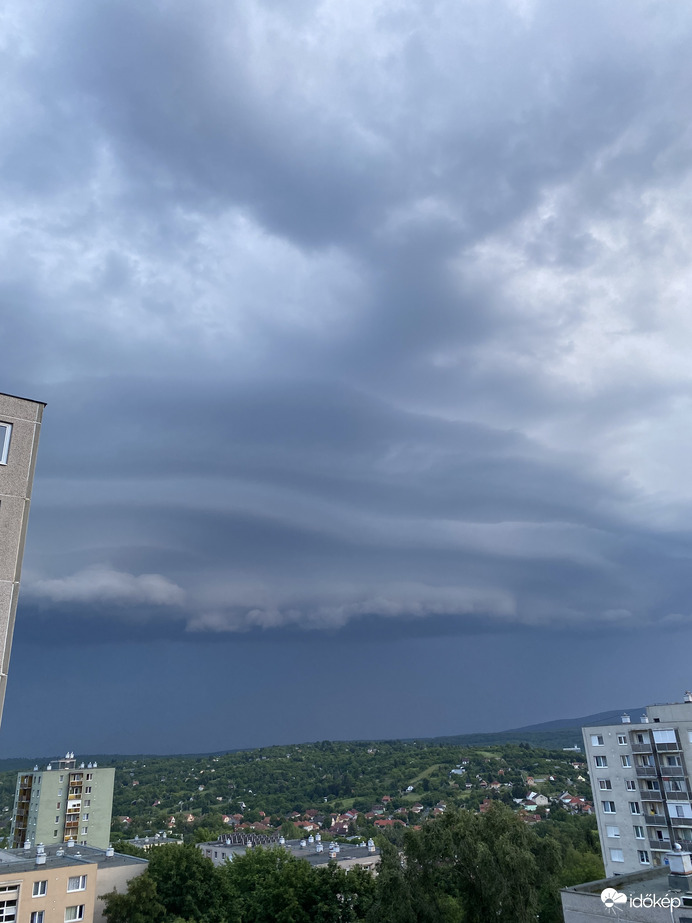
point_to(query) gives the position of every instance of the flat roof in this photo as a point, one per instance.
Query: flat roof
(652, 881)
(24, 860)
(17, 397)
(347, 851)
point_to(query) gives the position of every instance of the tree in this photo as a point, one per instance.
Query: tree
(186, 883)
(140, 904)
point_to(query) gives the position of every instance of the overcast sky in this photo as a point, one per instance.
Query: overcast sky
(365, 333)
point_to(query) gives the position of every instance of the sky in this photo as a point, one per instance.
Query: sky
(365, 337)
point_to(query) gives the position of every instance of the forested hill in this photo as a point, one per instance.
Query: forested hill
(552, 735)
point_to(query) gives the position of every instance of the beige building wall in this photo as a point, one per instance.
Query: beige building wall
(114, 878)
(20, 424)
(57, 899)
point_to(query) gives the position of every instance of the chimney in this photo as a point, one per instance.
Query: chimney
(626, 719)
(679, 870)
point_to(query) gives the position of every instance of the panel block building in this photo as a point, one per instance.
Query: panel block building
(63, 802)
(20, 424)
(640, 775)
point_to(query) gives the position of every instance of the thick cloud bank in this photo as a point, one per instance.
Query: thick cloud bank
(352, 312)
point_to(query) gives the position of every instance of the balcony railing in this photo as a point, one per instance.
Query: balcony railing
(657, 819)
(676, 796)
(651, 794)
(655, 843)
(642, 748)
(665, 748)
(645, 770)
(681, 821)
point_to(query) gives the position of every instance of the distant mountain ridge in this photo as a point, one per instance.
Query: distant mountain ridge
(553, 735)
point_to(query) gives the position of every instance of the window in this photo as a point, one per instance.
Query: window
(8, 910)
(39, 888)
(634, 807)
(37, 916)
(61, 779)
(74, 913)
(638, 832)
(600, 761)
(55, 833)
(652, 785)
(89, 776)
(59, 793)
(5, 433)
(612, 831)
(57, 805)
(608, 807)
(643, 857)
(622, 740)
(87, 802)
(626, 761)
(84, 830)
(85, 817)
(57, 818)
(642, 738)
(673, 761)
(605, 785)
(631, 785)
(615, 856)
(87, 790)
(666, 736)
(77, 883)
(596, 740)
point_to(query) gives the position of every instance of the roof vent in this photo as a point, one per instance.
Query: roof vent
(110, 852)
(27, 844)
(371, 845)
(626, 719)
(59, 853)
(70, 843)
(687, 697)
(40, 859)
(303, 844)
(644, 719)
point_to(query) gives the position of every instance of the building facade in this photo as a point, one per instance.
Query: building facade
(63, 802)
(641, 786)
(57, 884)
(20, 424)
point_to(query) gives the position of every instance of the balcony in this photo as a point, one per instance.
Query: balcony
(667, 748)
(642, 748)
(681, 821)
(645, 771)
(677, 796)
(659, 820)
(650, 794)
(655, 843)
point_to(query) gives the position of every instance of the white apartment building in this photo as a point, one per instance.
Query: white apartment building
(641, 786)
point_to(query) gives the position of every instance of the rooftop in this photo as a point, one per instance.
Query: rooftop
(652, 881)
(24, 860)
(344, 851)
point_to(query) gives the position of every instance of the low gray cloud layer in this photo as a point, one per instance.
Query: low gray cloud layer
(352, 312)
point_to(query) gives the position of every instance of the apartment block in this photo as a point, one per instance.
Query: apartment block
(63, 802)
(58, 884)
(20, 424)
(641, 786)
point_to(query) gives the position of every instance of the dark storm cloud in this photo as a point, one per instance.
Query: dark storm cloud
(351, 316)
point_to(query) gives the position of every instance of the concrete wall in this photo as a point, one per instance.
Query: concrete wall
(115, 878)
(16, 479)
